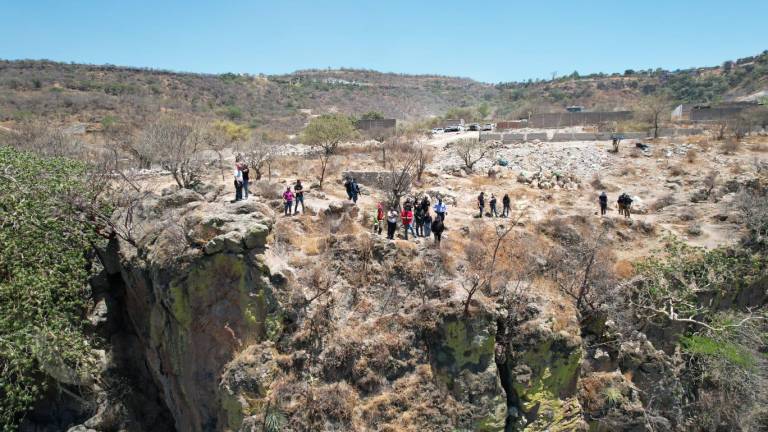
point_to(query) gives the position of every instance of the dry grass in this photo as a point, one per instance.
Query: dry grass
(312, 245)
(759, 147)
(483, 181)
(627, 170)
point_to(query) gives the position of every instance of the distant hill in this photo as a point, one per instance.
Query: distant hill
(67, 93)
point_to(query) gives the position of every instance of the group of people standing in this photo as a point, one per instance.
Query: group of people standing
(493, 205)
(624, 202)
(289, 196)
(241, 179)
(413, 213)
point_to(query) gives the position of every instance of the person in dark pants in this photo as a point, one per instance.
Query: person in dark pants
(441, 210)
(288, 198)
(419, 216)
(481, 203)
(298, 190)
(391, 223)
(437, 229)
(603, 203)
(348, 187)
(492, 203)
(355, 191)
(238, 183)
(244, 169)
(427, 223)
(425, 204)
(505, 204)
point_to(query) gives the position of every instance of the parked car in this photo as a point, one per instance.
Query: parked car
(453, 129)
(474, 127)
(487, 127)
(437, 130)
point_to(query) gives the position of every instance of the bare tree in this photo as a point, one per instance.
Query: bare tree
(259, 153)
(471, 151)
(423, 157)
(384, 137)
(40, 138)
(653, 107)
(483, 257)
(579, 267)
(400, 178)
(177, 144)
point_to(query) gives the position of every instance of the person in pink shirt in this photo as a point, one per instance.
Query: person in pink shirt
(288, 198)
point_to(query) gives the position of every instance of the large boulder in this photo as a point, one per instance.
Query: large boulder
(197, 293)
(464, 362)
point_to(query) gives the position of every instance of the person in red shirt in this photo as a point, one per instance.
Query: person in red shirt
(406, 216)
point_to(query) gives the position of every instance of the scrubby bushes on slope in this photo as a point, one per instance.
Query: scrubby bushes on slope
(43, 279)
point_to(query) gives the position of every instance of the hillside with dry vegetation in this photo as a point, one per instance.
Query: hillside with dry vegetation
(144, 285)
(90, 94)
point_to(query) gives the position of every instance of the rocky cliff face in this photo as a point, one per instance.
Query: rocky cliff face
(228, 324)
(197, 292)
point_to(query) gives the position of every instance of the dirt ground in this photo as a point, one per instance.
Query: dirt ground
(670, 171)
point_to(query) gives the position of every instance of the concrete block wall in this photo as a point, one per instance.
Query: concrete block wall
(565, 119)
(536, 135)
(513, 137)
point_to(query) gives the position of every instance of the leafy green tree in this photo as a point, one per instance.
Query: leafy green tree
(372, 115)
(483, 110)
(326, 133)
(44, 292)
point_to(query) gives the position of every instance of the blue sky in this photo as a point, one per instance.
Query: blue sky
(490, 41)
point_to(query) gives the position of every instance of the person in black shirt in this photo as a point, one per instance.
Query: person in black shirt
(298, 190)
(505, 204)
(244, 169)
(603, 203)
(481, 203)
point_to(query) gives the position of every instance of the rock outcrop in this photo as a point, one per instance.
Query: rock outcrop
(197, 292)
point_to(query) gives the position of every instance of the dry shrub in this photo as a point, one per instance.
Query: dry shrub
(447, 259)
(287, 165)
(597, 182)
(665, 201)
(624, 269)
(676, 170)
(694, 230)
(736, 169)
(413, 404)
(687, 214)
(266, 189)
(729, 146)
(691, 156)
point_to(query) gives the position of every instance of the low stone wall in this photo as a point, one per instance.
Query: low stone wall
(510, 138)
